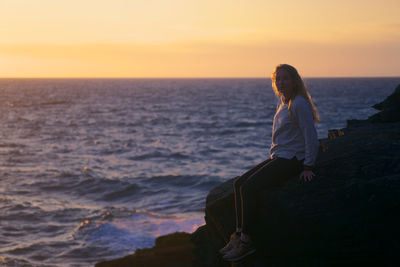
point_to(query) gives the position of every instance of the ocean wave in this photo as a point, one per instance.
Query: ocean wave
(174, 180)
(248, 124)
(55, 102)
(123, 193)
(159, 154)
(12, 145)
(131, 230)
(99, 189)
(11, 261)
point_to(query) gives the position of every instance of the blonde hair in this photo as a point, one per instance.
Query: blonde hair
(299, 88)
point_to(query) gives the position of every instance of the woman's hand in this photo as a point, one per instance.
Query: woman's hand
(306, 175)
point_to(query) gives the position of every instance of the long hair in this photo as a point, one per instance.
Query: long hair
(299, 88)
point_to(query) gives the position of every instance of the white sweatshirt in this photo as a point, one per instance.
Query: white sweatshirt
(295, 138)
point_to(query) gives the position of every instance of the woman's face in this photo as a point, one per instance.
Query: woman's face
(284, 83)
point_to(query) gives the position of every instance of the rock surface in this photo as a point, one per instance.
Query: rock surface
(390, 108)
(349, 215)
(171, 250)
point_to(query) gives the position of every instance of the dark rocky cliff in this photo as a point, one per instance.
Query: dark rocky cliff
(349, 215)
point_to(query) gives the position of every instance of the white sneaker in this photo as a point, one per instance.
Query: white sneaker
(233, 243)
(240, 252)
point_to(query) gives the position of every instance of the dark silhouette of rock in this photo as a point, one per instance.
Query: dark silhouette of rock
(390, 108)
(349, 215)
(170, 250)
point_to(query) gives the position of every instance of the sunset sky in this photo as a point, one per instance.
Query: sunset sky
(198, 38)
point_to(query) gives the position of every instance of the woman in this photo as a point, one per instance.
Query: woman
(293, 150)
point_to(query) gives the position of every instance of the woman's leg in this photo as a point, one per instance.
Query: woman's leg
(273, 173)
(237, 183)
(235, 237)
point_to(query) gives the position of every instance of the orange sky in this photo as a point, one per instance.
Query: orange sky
(207, 38)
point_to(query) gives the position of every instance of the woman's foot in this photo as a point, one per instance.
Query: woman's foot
(241, 251)
(233, 243)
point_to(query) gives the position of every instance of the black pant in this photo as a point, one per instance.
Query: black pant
(271, 172)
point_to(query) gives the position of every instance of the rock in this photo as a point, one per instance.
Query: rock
(390, 108)
(205, 249)
(170, 250)
(349, 215)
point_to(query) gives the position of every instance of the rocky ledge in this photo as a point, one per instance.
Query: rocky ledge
(349, 215)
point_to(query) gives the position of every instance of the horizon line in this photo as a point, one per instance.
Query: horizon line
(183, 78)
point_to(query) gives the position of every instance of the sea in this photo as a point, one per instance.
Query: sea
(93, 169)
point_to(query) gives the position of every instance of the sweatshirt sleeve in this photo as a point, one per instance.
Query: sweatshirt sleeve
(303, 115)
